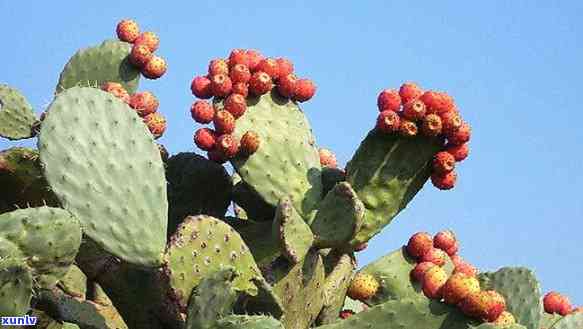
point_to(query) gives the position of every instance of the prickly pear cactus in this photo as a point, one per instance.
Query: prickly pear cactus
(16, 116)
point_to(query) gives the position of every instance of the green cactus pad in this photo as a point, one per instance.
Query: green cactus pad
(252, 203)
(339, 217)
(104, 166)
(248, 322)
(547, 320)
(521, 290)
(393, 274)
(15, 288)
(570, 321)
(300, 289)
(406, 313)
(286, 163)
(203, 245)
(46, 238)
(293, 234)
(335, 288)
(263, 246)
(266, 302)
(354, 305)
(16, 116)
(93, 66)
(196, 186)
(74, 283)
(23, 184)
(386, 172)
(331, 177)
(212, 299)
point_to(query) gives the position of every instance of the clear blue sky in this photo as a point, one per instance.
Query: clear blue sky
(513, 67)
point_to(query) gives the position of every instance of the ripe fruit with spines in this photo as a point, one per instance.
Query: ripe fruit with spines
(155, 68)
(201, 87)
(205, 139)
(218, 66)
(419, 244)
(287, 85)
(224, 122)
(241, 88)
(202, 111)
(327, 158)
(140, 55)
(409, 91)
(304, 90)
(444, 181)
(433, 282)
(363, 286)
(459, 152)
(254, 58)
(236, 105)
(221, 85)
(460, 136)
(408, 128)
(238, 57)
(388, 122)
(150, 39)
(431, 125)
(451, 121)
(156, 124)
(227, 145)
(496, 306)
(127, 30)
(418, 272)
(284, 67)
(240, 73)
(389, 100)
(466, 268)
(444, 240)
(250, 142)
(475, 304)
(260, 83)
(414, 110)
(269, 66)
(451, 251)
(458, 287)
(505, 319)
(117, 90)
(552, 302)
(144, 103)
(435, 256)
(443, 162)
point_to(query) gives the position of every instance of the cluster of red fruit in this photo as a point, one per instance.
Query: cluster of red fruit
(462, 288)
(555, 302)
(411, 110)
(327, 158)
(144, 103)
(243, 73)
(144, 45)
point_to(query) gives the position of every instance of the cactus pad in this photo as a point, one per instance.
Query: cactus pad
(47, 239)
(386, 172)
(339, 217)
(286, 163)
(196, 186)
(335, 288)
(570, 321)
(521, 290)
(105, 168)
(16, 115)
(263, 246)
(203, 245)
(15, 288)
(248, 322)
(331, 177)
(547, 320)
(252, 203)
(93, 66)
(293, 234)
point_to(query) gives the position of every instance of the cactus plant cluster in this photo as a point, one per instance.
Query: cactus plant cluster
(100, 228)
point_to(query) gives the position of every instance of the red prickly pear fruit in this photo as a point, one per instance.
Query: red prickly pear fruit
(224, 122)
(496, 306)
(419, 244)
(409, 91)
(505, 319)
(156, 124)
(250, 143)
(205, 139)
(433, 282)
(444, 181)
(260, 83)
(430, 99)
(221, 85)
(437, 102)
(435, 256)
(465, 268)
(238, 56)
(361, 247)
(552, 302)
(269, 66)
(127, 30)
(566, 307)
(389, 100)
(227, 145)
(414, 110)
(451, 121)
(117, 90)
(451, 251)
(459, 152)
(218, 66)
(444, 240)
(388, 122)
(345, 314)
(240, 73)
(418, 272)
(443, 163)
(201, 87)
(144, 103)
(445, 103)
(287, 85)
(457, 259)
(327, 158)
(460, 136)
(408, 128)
(241, 88)
(149, 39)
(202, 112)
(284, 67)
(431, 125)
(254, 58)
(155, 68)
(140, 55)
(362, 287)
(475, 304)
(304, 90)
(458, 287)
(216, 156)
(236, 105)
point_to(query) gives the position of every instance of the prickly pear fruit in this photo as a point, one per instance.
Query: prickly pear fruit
(240, 73)
(443, 163)
(475, 304)
(505, 319)
(202, 112)
(149, 39)
(444, 240)
(156, 124)
(236, 105)
(363, 287)
(224, 122)
(418, 272)
(466, 268)
(140, 55)
(451, 251)
(254, 58)
(201, 87)
(250, 142)
(388, 122)
(408, 128)
(458, 286)
(260, 83)
(451, 121)
(435, 256)
(284, 67)
(144, 103)
(304, 90)
(238, 57)
(205, 139)
(155, 68)
(433, 282)
(327, 158)
(221, 85)
(269, 66)
(227, 145)
(409, 91)
(419, 244)
(117, 90)
(460, 136)
(287, 85)
(431, 125)
(459, 152)
(389, 100)
(218, 66)
(444, 181)
(554, 302)
(127, 30)
(241, 88)
(496, 306)
(414, 110)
